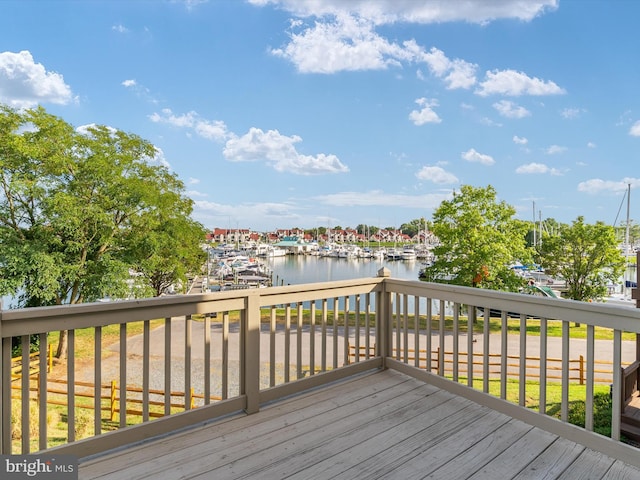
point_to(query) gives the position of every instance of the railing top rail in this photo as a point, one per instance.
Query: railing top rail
(29, 321)
(597, 314)
(43, 319)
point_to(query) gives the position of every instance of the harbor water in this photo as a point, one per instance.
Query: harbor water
(299, 269)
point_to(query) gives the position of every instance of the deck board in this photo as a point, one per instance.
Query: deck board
(378, 425)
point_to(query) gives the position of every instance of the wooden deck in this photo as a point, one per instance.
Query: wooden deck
(377, 425)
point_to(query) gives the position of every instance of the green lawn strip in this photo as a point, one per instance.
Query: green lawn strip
(577, 394)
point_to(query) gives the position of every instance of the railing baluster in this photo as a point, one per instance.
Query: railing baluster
(207, 359)
(287, 342)
(396, 326)
(471, 319)
(335, 332)
(187, 363)
(71, 386)
(272, 346)
(485, 350)
(97, 380)
(456, 346)
(543, 365)
(367, 322)
(416, 330)
(25, 345)
(405, 327)
(564, 408)
(146, 340)
(167, 366)
(504, 349)
(5, 424)
(357, 329)
(324, 335)
(225, 356)
(123, 375)
(43, 378)
(588, 404)
(429, 339)
(299, 323)
(312, 340)
(441, 340)
(616, 397)
(522, 375)
(345, 360)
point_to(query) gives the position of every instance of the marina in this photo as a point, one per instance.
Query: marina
(247, 267)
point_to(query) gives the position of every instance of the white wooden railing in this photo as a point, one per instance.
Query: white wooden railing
(221, 353)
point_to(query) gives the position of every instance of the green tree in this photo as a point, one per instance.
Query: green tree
(415, 226)
(586, 256)
(166, 254)
(479, 240)
(72, 205)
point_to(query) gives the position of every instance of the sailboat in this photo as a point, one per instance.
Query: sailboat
(623, 297)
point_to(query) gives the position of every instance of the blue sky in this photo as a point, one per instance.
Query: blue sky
(307, 113)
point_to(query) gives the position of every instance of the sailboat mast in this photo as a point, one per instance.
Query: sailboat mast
(626, 233)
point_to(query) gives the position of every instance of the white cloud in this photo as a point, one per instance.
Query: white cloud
(591, 145)
(344, 44)
(520, 140)
(119, 28)
(473, 156)
(490, 122)
(411, 11)
(555, 150)
(571, 113)
(211, 130)
(436, 175)
(197, 194)
(193, 181)
(455, 73)
(537, 168)
(426, 114)
(279, 151)
(511, 110)
(513, 83)
(634, 131)
(597, 185)
(25, 83)
(379, 198)
(212, 212)
(139, 90)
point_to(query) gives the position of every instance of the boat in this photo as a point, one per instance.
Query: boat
(270, 251)
(393, 254)
(408, 253)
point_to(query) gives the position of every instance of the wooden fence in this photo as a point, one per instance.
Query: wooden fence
(603, 369)
(34, 365)
(109, 392)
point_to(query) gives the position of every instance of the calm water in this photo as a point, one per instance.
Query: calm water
(298, 269)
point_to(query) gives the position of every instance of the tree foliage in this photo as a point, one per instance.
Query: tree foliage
(80, 208)
(586, 256)
(415, 226)
(479, 240)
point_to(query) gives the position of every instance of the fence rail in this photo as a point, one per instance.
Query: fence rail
(241, 349)
(577, 366)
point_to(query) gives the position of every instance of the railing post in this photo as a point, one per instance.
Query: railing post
(3, 387)
(384, 324)
(250, 347)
